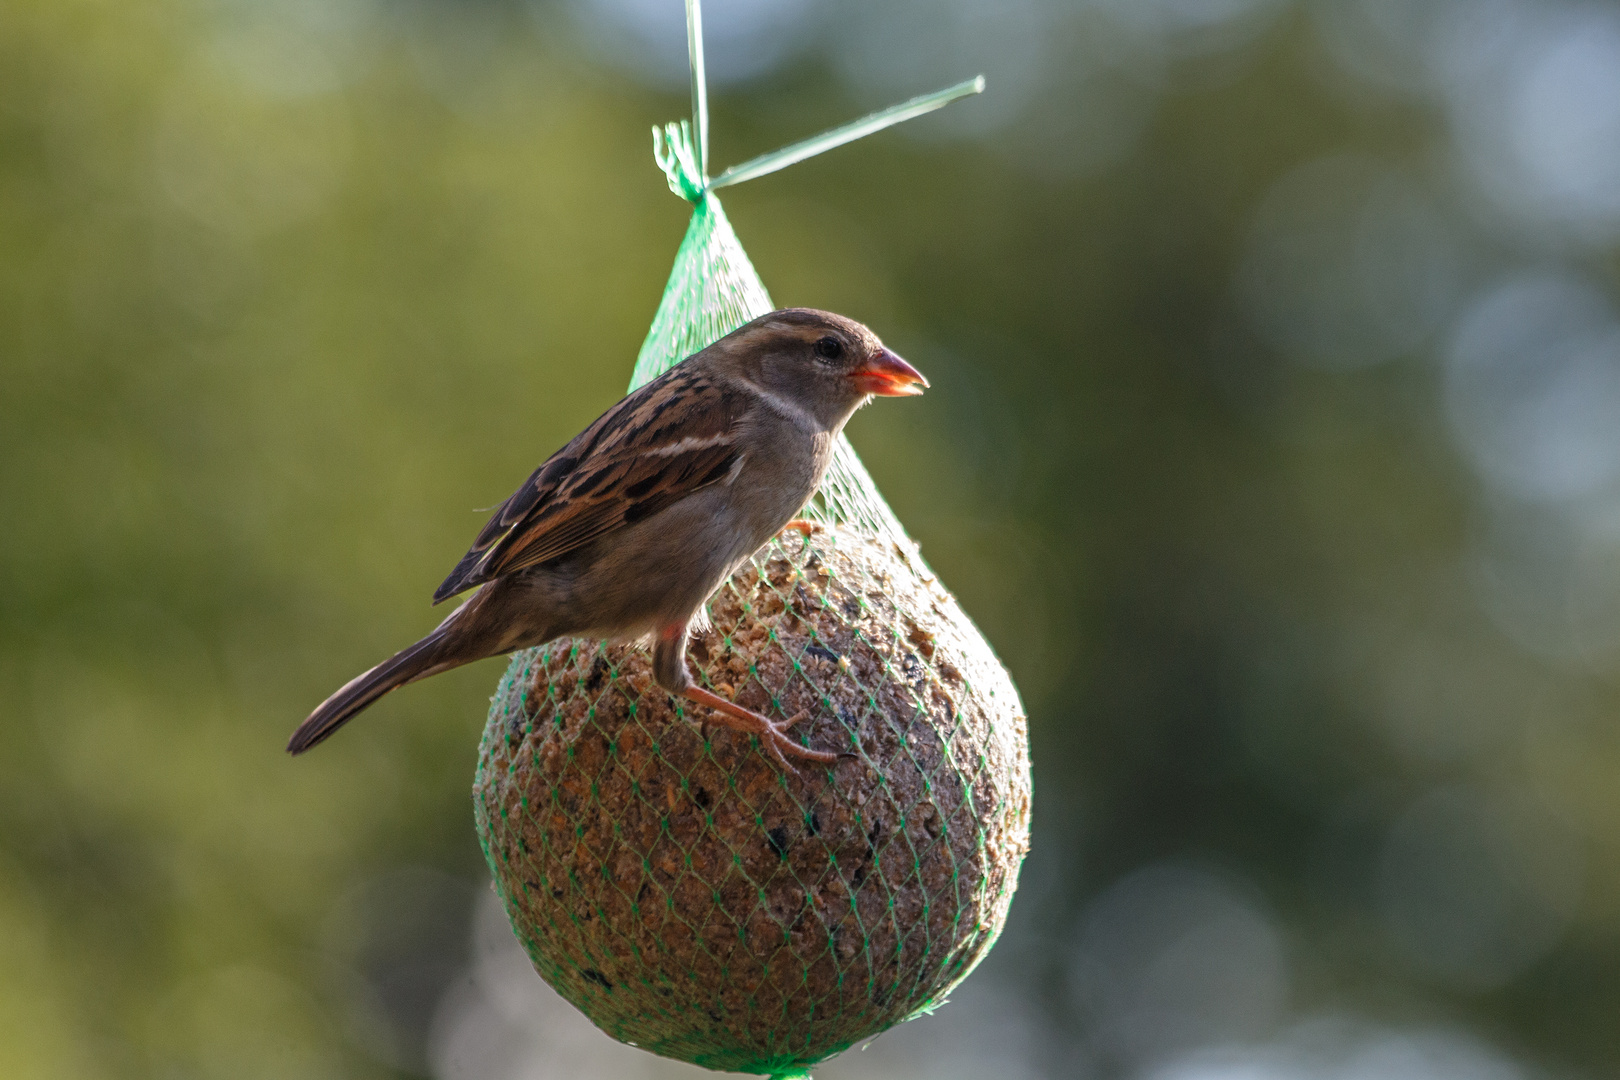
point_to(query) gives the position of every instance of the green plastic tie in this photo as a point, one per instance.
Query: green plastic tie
(855, 129)
(681, 148)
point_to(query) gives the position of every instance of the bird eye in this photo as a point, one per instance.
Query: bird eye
(829, 348)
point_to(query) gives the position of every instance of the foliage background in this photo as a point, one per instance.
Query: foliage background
(1273, 443)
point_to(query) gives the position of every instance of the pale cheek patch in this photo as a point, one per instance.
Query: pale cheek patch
(785, 407)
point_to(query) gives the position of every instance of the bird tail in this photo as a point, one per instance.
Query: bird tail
(427, 657)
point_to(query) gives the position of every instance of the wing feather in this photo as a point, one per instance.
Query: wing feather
(672, 437)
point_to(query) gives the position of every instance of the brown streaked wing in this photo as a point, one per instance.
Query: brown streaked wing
(610, 475)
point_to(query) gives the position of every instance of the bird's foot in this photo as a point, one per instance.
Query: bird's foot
(772, 736)
(805, 527)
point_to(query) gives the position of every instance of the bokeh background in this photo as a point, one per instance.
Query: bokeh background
(1274, 442)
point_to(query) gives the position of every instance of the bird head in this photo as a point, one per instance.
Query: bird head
(824, 363)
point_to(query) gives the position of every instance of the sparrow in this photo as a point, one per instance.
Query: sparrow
(625, 532)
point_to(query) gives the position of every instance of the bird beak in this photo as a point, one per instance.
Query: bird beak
(886, 375)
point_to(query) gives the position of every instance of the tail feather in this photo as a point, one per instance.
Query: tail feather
(418, 661)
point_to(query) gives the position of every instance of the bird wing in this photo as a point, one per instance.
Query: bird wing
(674, 436)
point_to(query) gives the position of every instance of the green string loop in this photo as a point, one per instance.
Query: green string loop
(676, 154)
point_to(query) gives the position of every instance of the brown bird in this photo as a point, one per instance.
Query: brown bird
(626, 531)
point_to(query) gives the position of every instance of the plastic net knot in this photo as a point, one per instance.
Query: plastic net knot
(676, 154)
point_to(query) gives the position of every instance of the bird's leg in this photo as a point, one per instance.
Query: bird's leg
(669, 668)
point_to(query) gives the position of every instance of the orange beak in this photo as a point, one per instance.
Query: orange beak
(886, 375)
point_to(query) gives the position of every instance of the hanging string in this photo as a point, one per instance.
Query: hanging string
(681, 148)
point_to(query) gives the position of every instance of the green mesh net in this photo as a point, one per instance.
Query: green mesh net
(671, 880)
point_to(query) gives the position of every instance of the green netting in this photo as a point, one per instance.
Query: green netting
(670, 879)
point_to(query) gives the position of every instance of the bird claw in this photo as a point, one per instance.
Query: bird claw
(805, 527)
(773, 736)
(776, 741)
(781, 759)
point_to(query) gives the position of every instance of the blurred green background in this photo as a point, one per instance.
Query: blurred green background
(1274, 442)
